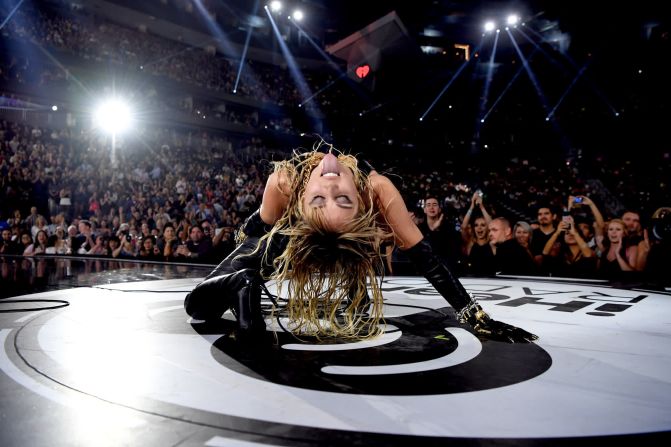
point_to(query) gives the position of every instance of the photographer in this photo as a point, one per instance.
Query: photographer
(654, 251)
(594, 235)
(567, 255)
(127, 247)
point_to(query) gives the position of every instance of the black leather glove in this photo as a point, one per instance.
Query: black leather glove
(253, 226)
(364, 166)
(468, 310)
(483, 324)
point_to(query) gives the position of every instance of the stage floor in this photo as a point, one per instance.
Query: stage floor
(116, 361)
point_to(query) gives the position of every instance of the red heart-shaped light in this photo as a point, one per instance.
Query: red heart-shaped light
(362, 71)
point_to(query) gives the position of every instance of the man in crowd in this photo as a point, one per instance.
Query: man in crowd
(510, 258)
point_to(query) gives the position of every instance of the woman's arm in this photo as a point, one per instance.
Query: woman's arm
(275, 198)
(390, 204)
(549, 245)
(642, 252)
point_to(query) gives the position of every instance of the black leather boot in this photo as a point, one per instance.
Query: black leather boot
(235, 283)
(468, 310)
(239, 291)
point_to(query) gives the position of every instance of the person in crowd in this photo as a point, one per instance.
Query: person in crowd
(510, 258)
(198, 248)
(39, 245)
(545, 230)
(654, 251)
(25, 241)
(222, 242)
(439, 232)
(589, 231)
(86, 237)
(317, 235)
(615, 256)
(149, 251)
(31, 220)
(475, 239)
(39, 225)
(566, 254)
(7, 245)
(57, 242)
(126, 248)
(72, 242)
(99, 248)
(634, 231)
(522, 233)
(168, 243)
(112, 247)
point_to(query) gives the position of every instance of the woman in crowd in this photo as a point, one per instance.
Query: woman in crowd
(475, 236)
(39, 246)
(615, 257)
(318, 234)
(99, 248)
(149, 251)
(522, 233)
(566, 254)
(57, 242)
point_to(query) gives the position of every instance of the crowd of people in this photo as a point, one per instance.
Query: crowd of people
(179, 197)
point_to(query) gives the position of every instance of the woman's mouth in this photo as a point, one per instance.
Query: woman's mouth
(330, 166)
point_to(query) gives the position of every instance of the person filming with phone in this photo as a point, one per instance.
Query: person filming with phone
(566, 254)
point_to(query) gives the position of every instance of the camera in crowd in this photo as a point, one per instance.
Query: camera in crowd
(660, 225)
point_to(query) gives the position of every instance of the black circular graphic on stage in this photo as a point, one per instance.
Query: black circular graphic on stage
(424, 338)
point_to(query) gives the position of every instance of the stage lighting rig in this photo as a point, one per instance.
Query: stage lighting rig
(297, 15)
(112, 116)
(512, 20)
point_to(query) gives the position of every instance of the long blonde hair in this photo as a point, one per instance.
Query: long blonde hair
(327, 273)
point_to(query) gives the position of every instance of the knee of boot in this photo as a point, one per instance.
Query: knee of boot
(202, 303)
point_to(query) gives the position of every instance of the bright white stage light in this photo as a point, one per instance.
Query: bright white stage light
(297, 15)
(275, 6)
(512, 19)
(54, 108)
(112, 116)
(489, 26)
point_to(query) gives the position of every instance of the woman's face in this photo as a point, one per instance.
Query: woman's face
(585, 230)
(522, 236)
(147, 243)
(480, 228)
(615, 232)
(25, 239)
(42, 237)
(331, 188)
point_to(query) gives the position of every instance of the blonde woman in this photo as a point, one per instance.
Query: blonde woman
(317, 234)
(615, 256)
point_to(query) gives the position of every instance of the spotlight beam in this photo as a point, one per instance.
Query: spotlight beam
(341, 74)
(562, 137)
(505, 90)
(244, 50)
(573, 64)
(296, 75)
(575, 79)
(176, 53)
(488, 81)
(449, 83)
(11, 13)
(530, 73)
(551, 59)
(68, 73)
